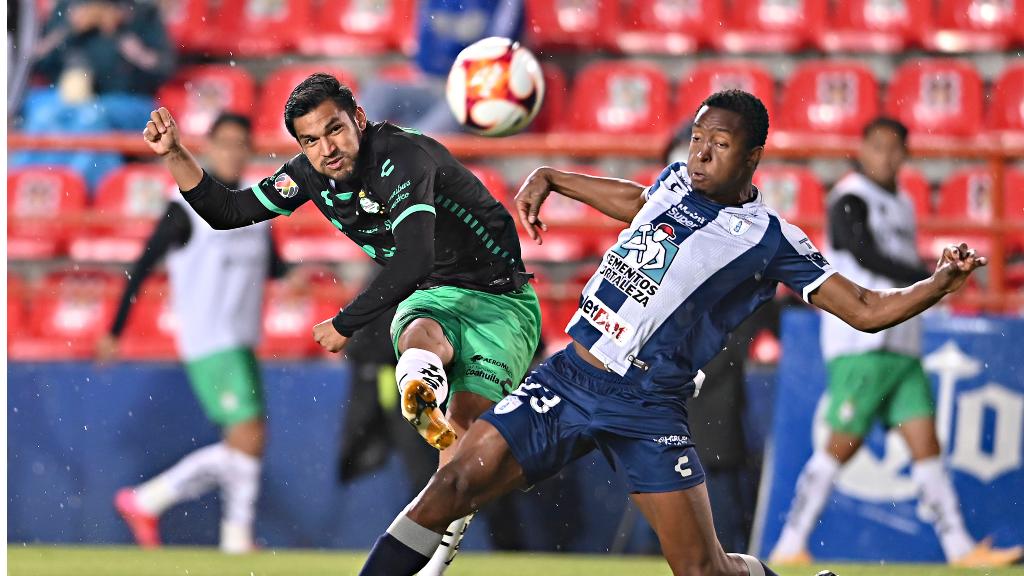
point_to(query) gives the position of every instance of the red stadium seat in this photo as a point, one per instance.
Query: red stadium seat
(44, 205)
(69, 312)
(358, 27)
(576, 230)
(306, 236)
(829, 97)
(936, 97)
(185, 23)
(259, 27)
(289, 317)
(976, 25)
(913, 182)
(707, 78)
(875, 26)
(1014, 199)
(551, 117)
(1006, 111)
(629, 98)
(770, 25)
(558, 303)
(130, 200)
(571, 24)
(152, 325)
(792, 191)
(198, 94)
(276, 89)
(667, 26)
(964, 196)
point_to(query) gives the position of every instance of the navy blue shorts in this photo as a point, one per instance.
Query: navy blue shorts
(567, 408)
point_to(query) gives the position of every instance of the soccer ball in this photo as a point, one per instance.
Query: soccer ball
(495, 87)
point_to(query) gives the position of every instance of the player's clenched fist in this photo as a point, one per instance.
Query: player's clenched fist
(327, 337)
(955, 265)
(161, 132)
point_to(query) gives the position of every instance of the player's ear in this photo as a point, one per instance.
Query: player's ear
(360, 118)
(754, 157)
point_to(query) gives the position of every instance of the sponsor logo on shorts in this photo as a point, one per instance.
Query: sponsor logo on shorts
(506, 383)
(483, 360)
(673, 440)
(285, 186)
(606, 320)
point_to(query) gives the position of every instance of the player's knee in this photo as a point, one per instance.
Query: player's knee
(426, 334)
(448, 496)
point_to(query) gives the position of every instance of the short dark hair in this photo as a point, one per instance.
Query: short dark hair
(889, 124)
(313, 91)
(748, 106)
(230, 118)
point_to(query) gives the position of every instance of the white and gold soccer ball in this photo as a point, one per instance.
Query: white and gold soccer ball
(495, 87)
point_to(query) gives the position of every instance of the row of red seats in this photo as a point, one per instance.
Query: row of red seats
(64, 314)
(935, 97)
(333, 27)
(50, 214)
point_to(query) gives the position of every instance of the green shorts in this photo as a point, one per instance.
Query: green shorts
(494, 336)
(228, 386)
(884, 385)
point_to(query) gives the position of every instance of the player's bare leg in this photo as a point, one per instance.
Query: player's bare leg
(424, 350)
(481, 470)
(812, 491)
(233, 464)
(941, 506)
(682, 520)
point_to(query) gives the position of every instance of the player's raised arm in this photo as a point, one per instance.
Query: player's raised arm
(220, 206)
(873, 310)
(620, 199)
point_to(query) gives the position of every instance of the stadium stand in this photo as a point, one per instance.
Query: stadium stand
(581, 25)
(44, 208)
(253, 28)
(620, 98)
(879, 27)
(708, 77)
(937, 97)
(769, 26)
(666, 27)
(829, 97)
(343, 27)
(198, 94)
(269, 121)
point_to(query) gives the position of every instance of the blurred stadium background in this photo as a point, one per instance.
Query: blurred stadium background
(621, 77)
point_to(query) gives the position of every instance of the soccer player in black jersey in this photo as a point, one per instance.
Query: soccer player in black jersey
(450, 251)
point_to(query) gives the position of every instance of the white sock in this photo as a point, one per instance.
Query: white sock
(240, 486)
(939, 505)
(419, 364)
(445, 553)
(812, 491)
(193, 476)
(754, 566)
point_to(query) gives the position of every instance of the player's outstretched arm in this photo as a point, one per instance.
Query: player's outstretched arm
(874, 310)
(620, 199)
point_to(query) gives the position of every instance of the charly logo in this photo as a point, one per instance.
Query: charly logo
(387, 168)
(285, 186)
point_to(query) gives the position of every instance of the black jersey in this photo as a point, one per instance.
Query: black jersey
(409, 195)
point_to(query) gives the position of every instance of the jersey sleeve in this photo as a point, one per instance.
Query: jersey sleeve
(406, 181)
(797, 263)
(280, 192)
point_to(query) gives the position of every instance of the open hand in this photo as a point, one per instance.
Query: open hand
(955, 265)
(528, 201)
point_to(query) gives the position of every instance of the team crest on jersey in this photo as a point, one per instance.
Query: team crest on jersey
(369, 204)
(737, 225)
(637, 266)
(285, 186)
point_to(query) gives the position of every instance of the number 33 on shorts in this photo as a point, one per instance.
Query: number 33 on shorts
(541, 399)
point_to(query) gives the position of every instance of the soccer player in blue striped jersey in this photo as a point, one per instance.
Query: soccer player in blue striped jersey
(700, 254)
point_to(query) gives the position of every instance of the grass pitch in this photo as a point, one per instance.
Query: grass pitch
(176, 561)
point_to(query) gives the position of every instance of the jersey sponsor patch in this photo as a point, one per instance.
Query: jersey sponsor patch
(638, 265)
(285, 186)
(737, 225)
(606, 320)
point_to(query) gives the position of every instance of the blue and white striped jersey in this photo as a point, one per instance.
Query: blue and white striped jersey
(683, 275)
